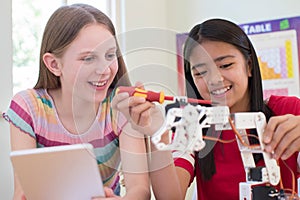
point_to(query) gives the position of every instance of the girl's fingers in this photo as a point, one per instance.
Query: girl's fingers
(271, 128)
(141, 114)
(124, 103)
(285, 145)
(291, 149)
(108, 192)
(119, 98)
(282, 136)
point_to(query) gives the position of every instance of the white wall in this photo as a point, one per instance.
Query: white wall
(6, 181)
(149, 44)
(238, 11)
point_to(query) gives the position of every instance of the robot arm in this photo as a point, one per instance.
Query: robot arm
(188, 136)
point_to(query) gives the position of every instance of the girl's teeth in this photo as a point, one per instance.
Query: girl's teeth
(220, 91)
(98, 84)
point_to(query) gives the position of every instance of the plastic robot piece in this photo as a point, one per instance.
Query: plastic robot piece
(188, 135)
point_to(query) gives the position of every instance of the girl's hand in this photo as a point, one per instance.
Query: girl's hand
(282, 136)
(109, 195)
(144, 116)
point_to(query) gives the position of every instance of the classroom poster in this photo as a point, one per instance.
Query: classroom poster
(277, 45)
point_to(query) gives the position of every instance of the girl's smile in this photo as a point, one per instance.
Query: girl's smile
(221, 91)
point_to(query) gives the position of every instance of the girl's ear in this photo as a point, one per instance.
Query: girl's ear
(52, 64)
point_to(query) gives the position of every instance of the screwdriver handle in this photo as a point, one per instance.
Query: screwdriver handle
(155, 96)
(148, 95)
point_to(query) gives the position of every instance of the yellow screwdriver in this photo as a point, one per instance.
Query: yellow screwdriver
(155, 96)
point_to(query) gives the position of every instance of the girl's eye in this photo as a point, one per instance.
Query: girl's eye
(226, 66)
(200, 73)
(110, 56)
(88, 58)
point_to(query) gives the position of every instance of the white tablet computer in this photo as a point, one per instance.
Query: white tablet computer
(68, 172)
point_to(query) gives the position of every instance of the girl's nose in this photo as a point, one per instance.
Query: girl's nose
(103, 69)
(215, 77)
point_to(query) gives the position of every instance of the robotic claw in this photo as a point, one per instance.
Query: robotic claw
(188, 136)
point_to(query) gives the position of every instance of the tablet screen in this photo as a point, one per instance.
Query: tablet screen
(68, 172)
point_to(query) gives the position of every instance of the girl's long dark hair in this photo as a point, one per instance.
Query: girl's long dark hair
(224, 31)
